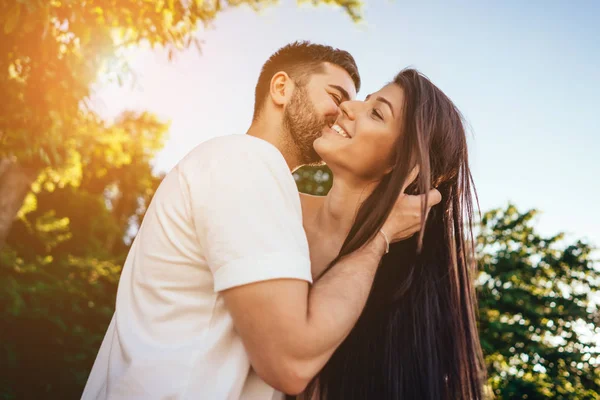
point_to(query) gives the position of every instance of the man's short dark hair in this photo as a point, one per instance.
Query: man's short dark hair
(300, 60)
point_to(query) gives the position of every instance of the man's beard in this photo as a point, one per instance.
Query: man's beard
(304, 126)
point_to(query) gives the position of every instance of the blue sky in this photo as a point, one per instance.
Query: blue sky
(526, 77)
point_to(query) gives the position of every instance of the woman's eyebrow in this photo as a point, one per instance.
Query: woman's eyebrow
(383, 100)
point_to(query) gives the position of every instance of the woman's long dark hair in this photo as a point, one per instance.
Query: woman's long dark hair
(417, 337)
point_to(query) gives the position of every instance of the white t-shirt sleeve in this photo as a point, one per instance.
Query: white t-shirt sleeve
(247, 216)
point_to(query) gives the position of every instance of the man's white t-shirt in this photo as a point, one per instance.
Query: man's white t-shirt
(228, 214)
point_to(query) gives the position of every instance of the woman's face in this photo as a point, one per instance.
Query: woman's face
(362, 142)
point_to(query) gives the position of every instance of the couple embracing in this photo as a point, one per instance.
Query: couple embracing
(239, 287)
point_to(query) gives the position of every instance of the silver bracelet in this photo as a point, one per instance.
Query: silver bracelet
(387, 242)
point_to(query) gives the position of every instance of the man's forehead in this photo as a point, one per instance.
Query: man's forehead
(335, 77)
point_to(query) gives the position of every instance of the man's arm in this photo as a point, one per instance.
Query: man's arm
(290, 330)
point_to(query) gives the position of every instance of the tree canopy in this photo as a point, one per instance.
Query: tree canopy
(51, 52)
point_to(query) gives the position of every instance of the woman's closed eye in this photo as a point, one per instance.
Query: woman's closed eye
(377, 114)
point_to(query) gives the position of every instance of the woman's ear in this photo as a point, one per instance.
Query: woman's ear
(281, 88)
(391, 163)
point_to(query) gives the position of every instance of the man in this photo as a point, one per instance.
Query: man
(218, 277)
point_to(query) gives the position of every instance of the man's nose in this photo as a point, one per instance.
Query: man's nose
(347, 109)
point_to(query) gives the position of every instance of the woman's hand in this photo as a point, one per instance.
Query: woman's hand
(406, 216)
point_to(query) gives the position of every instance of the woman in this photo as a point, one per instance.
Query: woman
(417, 337)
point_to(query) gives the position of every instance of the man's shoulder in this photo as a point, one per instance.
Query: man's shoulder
(232, 147)
(235, 151)
(236, 157)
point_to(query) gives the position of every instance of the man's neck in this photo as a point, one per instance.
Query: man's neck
(278, 137)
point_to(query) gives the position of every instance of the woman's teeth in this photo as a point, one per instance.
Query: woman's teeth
(341, 131)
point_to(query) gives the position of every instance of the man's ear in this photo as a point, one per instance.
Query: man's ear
(281, 88)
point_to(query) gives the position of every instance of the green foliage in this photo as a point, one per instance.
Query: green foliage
(537, 311)
(55, 312)
(314, 180)
(59, 272)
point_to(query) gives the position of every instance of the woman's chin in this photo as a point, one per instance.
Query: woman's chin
(335, 154)
(327, 143)
(324, 148)
(327, 155)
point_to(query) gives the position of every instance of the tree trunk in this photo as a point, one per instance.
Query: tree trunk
(15, 183)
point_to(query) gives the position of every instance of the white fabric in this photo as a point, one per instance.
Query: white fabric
(229, 214)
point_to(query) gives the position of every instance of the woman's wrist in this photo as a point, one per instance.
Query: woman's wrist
(377, 247)
(387, 240)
